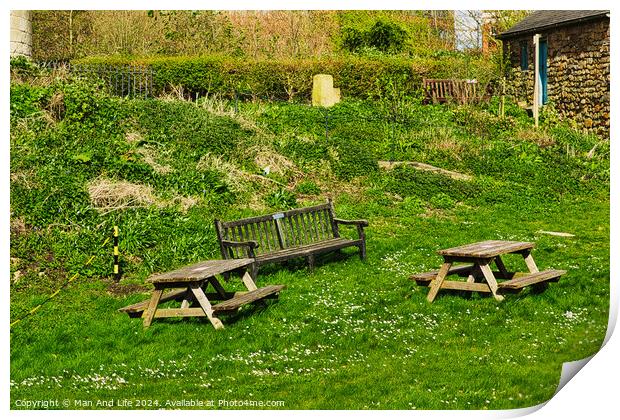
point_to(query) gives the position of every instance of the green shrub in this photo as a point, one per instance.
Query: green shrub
(481, 123)
(412, 205)
(442, 201)
(387, 37)
(27, 100)
(281, 199)
(384, 36)
(308, 187)
(410, 182)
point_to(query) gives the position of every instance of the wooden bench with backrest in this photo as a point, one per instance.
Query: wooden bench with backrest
(445, 90)
(298, 233)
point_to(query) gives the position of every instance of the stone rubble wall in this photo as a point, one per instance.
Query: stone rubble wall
(578, 75)
(21, 33)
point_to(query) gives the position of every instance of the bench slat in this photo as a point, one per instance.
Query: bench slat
(141, 306)
(306, 250)
(486, 249)
(430, 275)
(253, 296)
(531, 279)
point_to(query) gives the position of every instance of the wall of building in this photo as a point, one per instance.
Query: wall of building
(21, 33)
(578, 73)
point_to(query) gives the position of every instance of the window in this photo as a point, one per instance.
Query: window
(524, 55)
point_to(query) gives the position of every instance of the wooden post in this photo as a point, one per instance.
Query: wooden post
(117, 271)
(536, 102)
(503, 102)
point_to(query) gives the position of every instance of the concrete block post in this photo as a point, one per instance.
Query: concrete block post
(21, 33)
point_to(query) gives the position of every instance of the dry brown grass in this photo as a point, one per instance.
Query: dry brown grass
(235, 179)
(540, 137)
(185, 203)
(266, 157)
(133, 137)
(450, 146)
(56, 106)
(150, 156)
(25, 178)
(173, 93)
(18, 226)
(109, 195)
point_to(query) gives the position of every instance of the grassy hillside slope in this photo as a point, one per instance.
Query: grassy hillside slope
(350, 335)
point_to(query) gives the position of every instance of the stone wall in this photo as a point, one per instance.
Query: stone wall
(578, 72)
(21, 33)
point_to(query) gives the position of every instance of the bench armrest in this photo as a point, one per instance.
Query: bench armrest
(362, 223)
(228, 245)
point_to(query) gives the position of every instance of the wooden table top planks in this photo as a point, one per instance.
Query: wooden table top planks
(486, 249)
(200, 271)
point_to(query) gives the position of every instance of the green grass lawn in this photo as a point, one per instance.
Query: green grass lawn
(350, 335)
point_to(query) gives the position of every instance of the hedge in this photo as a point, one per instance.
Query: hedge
(292, 79)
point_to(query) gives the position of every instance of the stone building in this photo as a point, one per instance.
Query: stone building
(21, 33)
(573, 64)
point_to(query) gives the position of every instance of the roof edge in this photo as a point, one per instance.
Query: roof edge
(508, 35)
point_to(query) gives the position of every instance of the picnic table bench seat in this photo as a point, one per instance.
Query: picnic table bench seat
(520, 282)
(249, 297)
(303, 232)
(234, 301)
(423, 279)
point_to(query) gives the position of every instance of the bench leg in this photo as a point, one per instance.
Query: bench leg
(501, 267)
(217, 286)
(186, 299)
(490, 278)
(437, 282)
(254, 271)
(529, 261)
(248, 282)
(149, 313)
(531, 265)
(311, 263)
(204, 303)
(362, 248)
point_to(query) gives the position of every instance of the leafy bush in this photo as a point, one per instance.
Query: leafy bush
(281, 199)
(410, 182)
(22, 68)
(412, 205)
(384, 36)
(308, 187)
(442, 201)
(27, 100)
(387, 37)
(482, 123)
(292, 79)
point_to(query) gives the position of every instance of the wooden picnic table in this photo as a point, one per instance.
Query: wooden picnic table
(191, 283)
(480, 276)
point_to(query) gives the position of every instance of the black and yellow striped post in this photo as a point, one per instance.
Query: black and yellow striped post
(117, 271)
